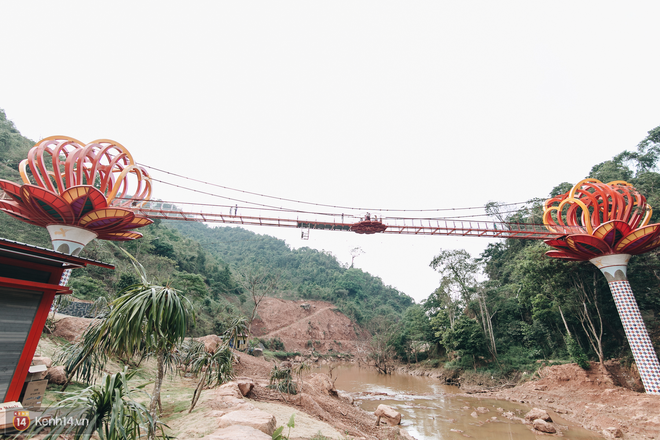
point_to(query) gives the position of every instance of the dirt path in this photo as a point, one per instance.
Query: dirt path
(308, 317)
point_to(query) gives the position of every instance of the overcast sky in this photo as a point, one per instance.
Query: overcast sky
(404, 105)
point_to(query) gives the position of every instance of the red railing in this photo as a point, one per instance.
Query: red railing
(334, 222)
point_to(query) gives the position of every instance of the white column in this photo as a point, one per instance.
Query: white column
(69, 240)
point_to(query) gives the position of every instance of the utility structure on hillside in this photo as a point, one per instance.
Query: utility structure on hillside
(614, 221)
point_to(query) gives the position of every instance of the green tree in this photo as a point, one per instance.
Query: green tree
(352, 282)
(145, 318)
(467, 339)
(87, 287)
(150, 317)
(416, 333)
(611, 170)
(259, 284)
(459, 274)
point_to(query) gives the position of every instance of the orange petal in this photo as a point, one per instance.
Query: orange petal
(564, 255)
(106, 220)
(612, 232)
(638, 239)
(46, 206)
(84, 199)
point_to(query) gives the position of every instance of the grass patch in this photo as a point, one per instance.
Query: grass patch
(283, 355)
(54, 395)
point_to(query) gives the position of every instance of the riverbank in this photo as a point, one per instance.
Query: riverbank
(320, 413)
(594, 399)
(604, 399)
(320, 400)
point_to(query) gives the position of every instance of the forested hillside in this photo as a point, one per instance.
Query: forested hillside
(305, 273)
(532, 307)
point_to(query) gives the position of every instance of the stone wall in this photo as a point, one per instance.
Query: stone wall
(78, 309)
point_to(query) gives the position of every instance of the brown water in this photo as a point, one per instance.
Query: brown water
(430, 410)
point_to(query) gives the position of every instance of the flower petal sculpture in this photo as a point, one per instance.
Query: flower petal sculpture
(613, 222)
(613, 217)
(79, 192)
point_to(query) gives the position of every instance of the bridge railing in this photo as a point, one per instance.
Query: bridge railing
(343, 222)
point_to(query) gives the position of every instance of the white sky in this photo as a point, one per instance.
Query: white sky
(415, 105)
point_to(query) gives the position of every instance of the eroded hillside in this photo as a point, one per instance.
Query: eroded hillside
(306, 325)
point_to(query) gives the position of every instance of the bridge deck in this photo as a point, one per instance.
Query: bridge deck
(399, 226)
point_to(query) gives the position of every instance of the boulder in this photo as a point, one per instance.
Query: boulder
(229, 389)
(257, 352)
(71, 328)
(56, 375)
(312, 406)
(237, 432)
(322, 383)
(482, 410)
(400, 434)
(245, 386)
(256, 419)
(346, 397)
(612, 433)
(543, 426)
(536, 413)
(391, 416)
(211, 342)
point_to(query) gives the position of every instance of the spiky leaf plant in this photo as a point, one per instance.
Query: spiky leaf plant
(212, 369)
(108, 410)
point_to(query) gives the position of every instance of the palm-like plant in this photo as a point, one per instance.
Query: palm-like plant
(281, 379)
(237, 329)
(145, 318)
(212, 369)
(299, 370)
(109, 410)
(151, 317)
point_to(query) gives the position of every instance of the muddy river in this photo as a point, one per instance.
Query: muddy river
(432, 411)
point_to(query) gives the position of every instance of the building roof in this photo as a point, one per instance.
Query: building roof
(49, 257)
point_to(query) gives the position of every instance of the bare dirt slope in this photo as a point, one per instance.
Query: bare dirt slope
(598, 398)
(303, 325)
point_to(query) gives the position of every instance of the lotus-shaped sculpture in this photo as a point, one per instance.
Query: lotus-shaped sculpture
(613, 218)
(79, 192)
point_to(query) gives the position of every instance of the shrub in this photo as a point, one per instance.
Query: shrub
(87, 288)
(281, 379)
(283, 355)
(274, 344)
(576, 353)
